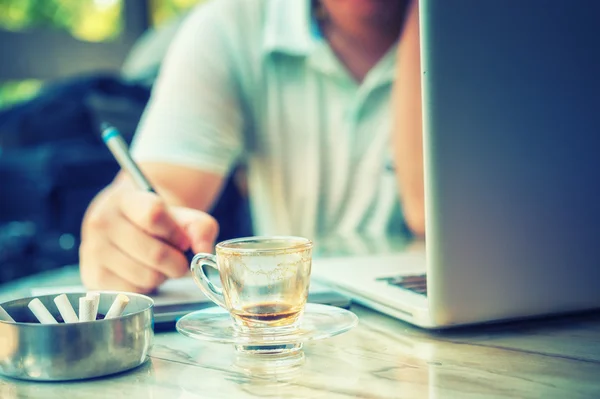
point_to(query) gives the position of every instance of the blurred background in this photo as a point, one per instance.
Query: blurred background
(66, 66)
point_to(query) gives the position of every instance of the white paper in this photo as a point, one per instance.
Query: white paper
(172, 292)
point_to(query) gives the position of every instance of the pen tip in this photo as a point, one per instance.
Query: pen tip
(108, 132)
(104, 126)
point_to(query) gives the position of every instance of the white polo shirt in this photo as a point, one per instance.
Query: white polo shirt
(251, 81)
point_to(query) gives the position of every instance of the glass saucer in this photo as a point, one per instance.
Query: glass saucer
(318, 322)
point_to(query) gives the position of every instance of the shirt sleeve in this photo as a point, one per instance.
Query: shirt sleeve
(194, 116)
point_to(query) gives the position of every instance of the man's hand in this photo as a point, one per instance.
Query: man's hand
(133, 241)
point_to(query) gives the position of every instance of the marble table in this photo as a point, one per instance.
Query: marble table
(381, 358)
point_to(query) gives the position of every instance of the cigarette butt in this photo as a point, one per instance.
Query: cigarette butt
(116, 309)
(96, 297)
(86, 309)
(65, 309)
(40, 312)
(4, 316)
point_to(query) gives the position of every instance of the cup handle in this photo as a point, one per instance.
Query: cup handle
(213, 292)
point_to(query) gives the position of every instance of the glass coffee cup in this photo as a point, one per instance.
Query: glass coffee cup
(264, 281)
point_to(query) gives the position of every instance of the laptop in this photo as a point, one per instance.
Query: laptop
(511, 110)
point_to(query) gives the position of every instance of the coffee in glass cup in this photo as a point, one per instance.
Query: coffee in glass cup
(264, 281)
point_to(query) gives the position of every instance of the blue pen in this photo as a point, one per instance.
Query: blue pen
(118, 147)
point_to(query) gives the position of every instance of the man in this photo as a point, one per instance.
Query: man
(301, 92)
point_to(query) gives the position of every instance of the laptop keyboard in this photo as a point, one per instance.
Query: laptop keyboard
(416, 283)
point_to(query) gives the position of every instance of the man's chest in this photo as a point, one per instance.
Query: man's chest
(317, 115)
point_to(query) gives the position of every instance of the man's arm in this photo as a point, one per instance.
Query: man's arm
(182, 186)
(407, 139)
(189, 137)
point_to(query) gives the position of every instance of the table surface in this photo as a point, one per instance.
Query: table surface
(381, 358)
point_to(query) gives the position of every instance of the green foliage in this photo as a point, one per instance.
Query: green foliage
(90, 20)
(13, 92)
(163, 10)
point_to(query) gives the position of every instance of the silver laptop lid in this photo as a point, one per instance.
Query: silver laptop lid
(512, 156)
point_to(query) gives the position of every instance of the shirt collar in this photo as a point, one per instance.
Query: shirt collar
(289, 27)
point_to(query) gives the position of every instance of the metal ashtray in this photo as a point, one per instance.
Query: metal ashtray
(59, 352)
